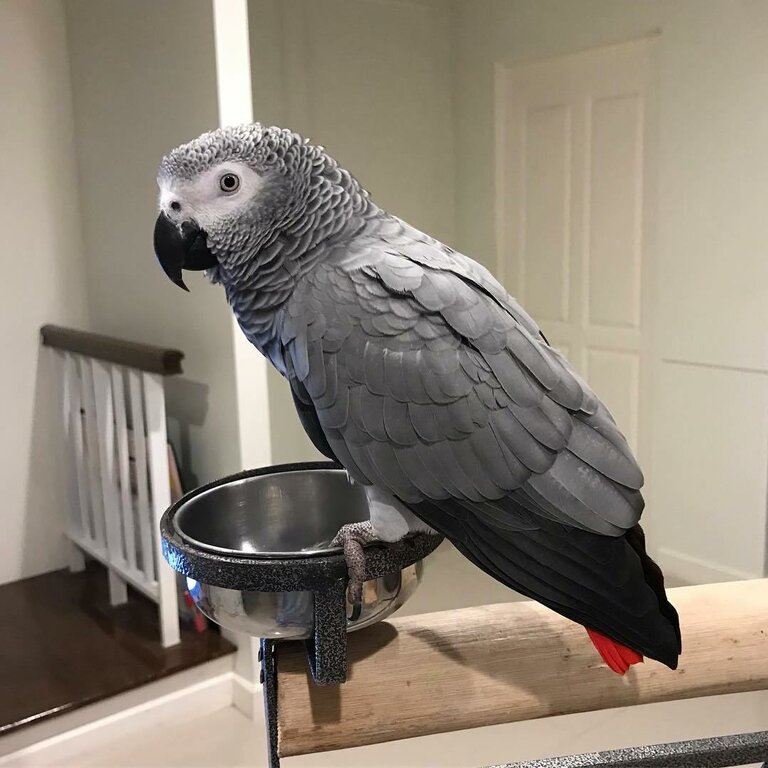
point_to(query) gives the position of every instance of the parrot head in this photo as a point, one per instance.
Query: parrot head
(228, 193)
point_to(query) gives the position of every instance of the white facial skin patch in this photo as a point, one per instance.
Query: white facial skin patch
(208, 198)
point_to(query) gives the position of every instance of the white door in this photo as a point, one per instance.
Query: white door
(576, 161)
(576, 200)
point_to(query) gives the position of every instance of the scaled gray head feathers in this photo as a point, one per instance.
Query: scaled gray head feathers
(237, 190)
(260, 147)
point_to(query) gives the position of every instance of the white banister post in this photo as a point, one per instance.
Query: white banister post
(159, 480)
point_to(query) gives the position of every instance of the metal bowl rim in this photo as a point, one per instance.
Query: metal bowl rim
(240, 477)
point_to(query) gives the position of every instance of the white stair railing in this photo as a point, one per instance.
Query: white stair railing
(113, 404)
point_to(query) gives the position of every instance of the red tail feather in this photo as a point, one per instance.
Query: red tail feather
(617, 656)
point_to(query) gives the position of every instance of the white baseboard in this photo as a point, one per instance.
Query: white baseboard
(203, 689)
(686, 569)
(248, 697)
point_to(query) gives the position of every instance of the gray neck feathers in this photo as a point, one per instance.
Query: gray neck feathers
(262, 277)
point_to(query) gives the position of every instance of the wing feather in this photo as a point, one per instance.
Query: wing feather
(432, 383)
(496, 421)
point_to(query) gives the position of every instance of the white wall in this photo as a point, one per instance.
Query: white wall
(490, 31)
(707, 484)
(144, 81)
(401, 91)
(43, 278)
(371, 81)
(711, 481)
(403, 94)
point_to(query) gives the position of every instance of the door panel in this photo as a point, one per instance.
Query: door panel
(546, 238)
(616, 376)
(574, 208)
(614, 248)
(576, 200)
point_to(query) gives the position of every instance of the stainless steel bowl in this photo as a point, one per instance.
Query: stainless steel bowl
(290, 515)
(285, 514)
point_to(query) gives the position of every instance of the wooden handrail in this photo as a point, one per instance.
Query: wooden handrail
(504, 663)
(131, 354)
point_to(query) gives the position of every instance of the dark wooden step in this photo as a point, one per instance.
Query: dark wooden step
(63, 646)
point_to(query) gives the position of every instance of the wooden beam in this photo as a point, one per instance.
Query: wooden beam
(503, 663)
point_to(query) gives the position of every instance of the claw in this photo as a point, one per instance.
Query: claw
(352, 537)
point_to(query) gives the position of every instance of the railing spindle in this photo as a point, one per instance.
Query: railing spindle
(140, 455)
(76, 425)
(114, 508)
(105, 424)
(124, 468)
(93, 468)
(78, 509)
(161, 500)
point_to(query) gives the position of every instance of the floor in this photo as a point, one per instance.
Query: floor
(450, 581)
(227, 739)
(63, 646)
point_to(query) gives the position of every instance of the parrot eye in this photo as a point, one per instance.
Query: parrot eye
(229, 183)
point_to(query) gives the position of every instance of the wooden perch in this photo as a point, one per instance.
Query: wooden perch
(503, 663)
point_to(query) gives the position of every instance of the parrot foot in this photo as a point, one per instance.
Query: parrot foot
(352, 538)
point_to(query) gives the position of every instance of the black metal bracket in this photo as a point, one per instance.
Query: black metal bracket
(327, 648)
(716, 752)
(326, 651)
(268, 677)
(324, 576)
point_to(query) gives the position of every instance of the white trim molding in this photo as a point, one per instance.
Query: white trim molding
(233, 78)
(198, 691)
(686, 569)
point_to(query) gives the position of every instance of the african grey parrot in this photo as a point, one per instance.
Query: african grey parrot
(412, 367)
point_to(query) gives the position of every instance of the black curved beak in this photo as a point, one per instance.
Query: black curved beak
(176, 250)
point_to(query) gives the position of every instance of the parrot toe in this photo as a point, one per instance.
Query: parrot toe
(352, 538)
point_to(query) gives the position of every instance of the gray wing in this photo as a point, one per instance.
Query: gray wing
(430, 381)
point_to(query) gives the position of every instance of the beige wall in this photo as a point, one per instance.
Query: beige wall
(371, 81)
(144, 80)
(490, 31)
(43, 278)
(403, 94)
(404, 98)
(707, 475)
